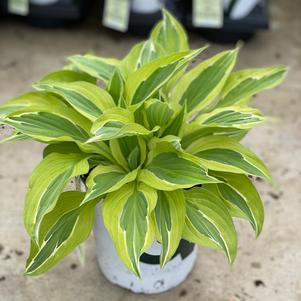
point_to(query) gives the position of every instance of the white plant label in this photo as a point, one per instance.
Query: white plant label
(116, 14)
(208, 13)
(18, 7)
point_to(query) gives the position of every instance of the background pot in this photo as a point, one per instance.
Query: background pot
(154, 279)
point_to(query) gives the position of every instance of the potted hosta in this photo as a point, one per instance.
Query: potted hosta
(156, 144)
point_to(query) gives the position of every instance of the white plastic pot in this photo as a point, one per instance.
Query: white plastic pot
(154, 279)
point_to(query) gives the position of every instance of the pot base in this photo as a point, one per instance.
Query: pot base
(153, 279)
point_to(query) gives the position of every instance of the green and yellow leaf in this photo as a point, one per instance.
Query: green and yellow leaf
(116, 87)
(46, 184)
(125, 149)
(235, 117)
(201, 85)
(67, 76)
(170, 219)
(246, 83)
(127, 217)
(105, 179)
(194, 131)
(157, 113)
(226, 154)
(15, 137)
(243, 198)
(62, 230)
(101, 68)
(169, 36)
(86, 98)
(209, 223)
(170, 171)
(147, 80)
(117, 123)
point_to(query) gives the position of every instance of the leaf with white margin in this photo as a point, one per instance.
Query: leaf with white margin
(147, 54)
(106, 179)
(101, 68)
(147, 80)
(117, 123)
(157, 112)
(62, 230)
(129, 64)
(67, 76)
(201, 85)
(226, 154)
(170, 219)
(31, 100)
(47, 127)
(169, 35)
(174, 127)
(236, 117)
(243, 198)
(15, 137)
(123, 149)
(86, 98)
(209, 223)
(194, 131)
(127, 217)
(46, 184)
(246, 83)
(116, 87)
(172, 168)
(44, 117)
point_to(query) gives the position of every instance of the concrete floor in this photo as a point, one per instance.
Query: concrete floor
(268, 268)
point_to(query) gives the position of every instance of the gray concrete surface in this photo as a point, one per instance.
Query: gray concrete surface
(268, 268)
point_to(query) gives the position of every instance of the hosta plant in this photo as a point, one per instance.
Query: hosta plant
(154, 139)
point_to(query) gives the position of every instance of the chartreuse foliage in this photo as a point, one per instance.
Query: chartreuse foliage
(157, 143)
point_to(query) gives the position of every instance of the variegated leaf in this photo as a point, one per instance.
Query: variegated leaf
(127, 216)
(15, 137)
(105, 179)
(46, 184)
(194, 131)
(101, 68)
(117, 123)
(46, 127)
(147, 54)
(170, 170)
(61, 148)
(67, 76)
(157, 113)
(62, 230)
(226, 154)
(201, 85)
(116, 87)
(147, 80)
(29, 101)
(130, 62)
(170, 218)
(243, 198)
(45, 117)
(88, 99)
(126, 149)
(246, 83)
(169, 36)
(209, 223)
(236, 117)
(174, 127)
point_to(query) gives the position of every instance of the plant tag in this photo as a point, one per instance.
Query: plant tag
(207, 13)
(116, 14)
(18, 7)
